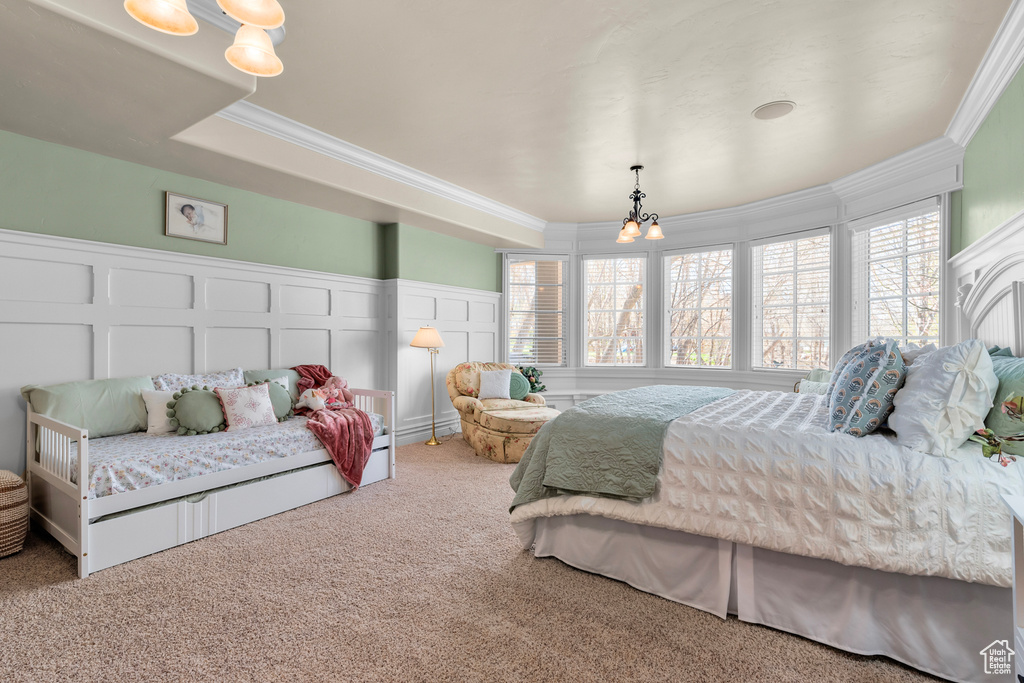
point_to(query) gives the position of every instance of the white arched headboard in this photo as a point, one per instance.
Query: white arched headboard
(989, 278)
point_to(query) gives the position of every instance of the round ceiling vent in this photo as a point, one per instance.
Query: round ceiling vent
(774, 110)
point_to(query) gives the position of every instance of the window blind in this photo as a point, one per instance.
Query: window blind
(614, 305)
(698, 299)
(536, 311)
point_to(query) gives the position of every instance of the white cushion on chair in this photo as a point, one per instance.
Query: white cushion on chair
(495, 384)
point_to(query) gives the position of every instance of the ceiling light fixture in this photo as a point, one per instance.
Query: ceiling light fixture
(166, 16)
(265, 14)
(773, 110)
(631, 223)
(253, 48)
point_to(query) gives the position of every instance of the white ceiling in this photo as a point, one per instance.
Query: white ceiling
(539, 105)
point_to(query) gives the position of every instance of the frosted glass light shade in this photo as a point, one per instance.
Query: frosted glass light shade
(266, 14)
(427, 338)
(166, 16)
(253, 53)
(624, 236)
(654, 232)
(632, 229)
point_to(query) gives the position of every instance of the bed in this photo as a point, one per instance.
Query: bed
(147, 493)
(761, 512)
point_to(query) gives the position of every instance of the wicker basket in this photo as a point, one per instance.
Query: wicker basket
(13, 513)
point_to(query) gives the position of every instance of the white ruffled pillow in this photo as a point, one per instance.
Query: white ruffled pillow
(946, 397)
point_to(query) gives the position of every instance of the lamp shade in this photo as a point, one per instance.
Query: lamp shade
(166, 16)
(427, 338)
(265, 14)
(624, 236)
(253, 53)
(654, 232)
(632, 229)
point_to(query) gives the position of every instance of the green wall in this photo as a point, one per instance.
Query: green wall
(417, 254)
(993, 170)
(56, 190)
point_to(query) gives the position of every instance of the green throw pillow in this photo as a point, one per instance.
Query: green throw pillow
(105, 407)
(195, 411)
(1010, 372)
(518, 386)
(256, 376)
(279, 397)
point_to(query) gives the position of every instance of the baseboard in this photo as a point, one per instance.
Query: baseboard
(420, 434)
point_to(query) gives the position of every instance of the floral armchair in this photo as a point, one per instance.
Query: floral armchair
(498, 429)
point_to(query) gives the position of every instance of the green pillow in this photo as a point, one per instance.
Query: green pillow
(1010, 372)
(195, 411)
(103, 406)
(279, 397)
(518, 386)
(257, 376)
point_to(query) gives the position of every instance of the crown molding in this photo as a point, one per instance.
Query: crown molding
(999, 65)
(270, 123)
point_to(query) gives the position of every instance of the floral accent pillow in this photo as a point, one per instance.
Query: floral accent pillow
(247, 407)
(171, 381)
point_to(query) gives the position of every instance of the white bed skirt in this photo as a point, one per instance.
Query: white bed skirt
(934, 624)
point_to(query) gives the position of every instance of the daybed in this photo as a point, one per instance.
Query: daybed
(145, 493)
(761, 511)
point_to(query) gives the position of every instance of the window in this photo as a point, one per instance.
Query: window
(792, 281)
(614, 299)
(698, 297)
(536, 311)
(896, 269)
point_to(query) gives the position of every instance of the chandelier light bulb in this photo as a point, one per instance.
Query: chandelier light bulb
(166, 16)
(265, 14)
(253, 53)
(624, 236)
(654, 232)
(632, 229)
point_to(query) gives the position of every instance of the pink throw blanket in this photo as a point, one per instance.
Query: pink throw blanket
(347, 435)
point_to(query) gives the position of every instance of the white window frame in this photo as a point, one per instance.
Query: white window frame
(756, 296)
(566, 304)
(666, 307)
(860, 264)
(644, 310)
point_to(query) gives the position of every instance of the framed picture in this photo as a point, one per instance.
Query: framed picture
(196, 219)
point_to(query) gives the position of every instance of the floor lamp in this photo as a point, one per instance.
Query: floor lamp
(428, 338)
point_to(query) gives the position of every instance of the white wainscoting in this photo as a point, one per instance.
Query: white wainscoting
(72, 310)
(469, 322)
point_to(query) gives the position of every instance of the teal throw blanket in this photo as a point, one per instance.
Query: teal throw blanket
(608, 446)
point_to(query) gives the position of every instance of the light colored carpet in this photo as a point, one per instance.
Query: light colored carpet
(415, 579)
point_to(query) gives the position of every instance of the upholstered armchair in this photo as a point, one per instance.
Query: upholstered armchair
(496, 428)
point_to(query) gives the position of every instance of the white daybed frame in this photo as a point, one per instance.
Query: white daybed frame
(932, 623)
(64, 509)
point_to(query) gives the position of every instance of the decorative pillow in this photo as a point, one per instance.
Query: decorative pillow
(946, 397)
(105, 407)
(279, 398)
(252, 376)
(247, 406)
(912, 352)
(1010, 373)
(495, 384)
(156, 406)
(837, 372)
(174, 382)
(519, 386)
(195, 411)
(863, 395)
(809, 387)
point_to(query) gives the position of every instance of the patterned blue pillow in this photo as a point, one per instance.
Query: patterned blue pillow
(863, 395)
(841, 367)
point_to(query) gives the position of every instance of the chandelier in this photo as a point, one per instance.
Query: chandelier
(631, 223)
(252, 51)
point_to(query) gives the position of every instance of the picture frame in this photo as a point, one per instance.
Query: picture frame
(192, 218)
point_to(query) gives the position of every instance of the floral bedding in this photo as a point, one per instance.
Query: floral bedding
(135, 461)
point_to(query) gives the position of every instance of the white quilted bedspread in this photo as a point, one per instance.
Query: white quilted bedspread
(761, 468)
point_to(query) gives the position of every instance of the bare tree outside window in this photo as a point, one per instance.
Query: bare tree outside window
(614, 296)
(699, 297)
(536, 312)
